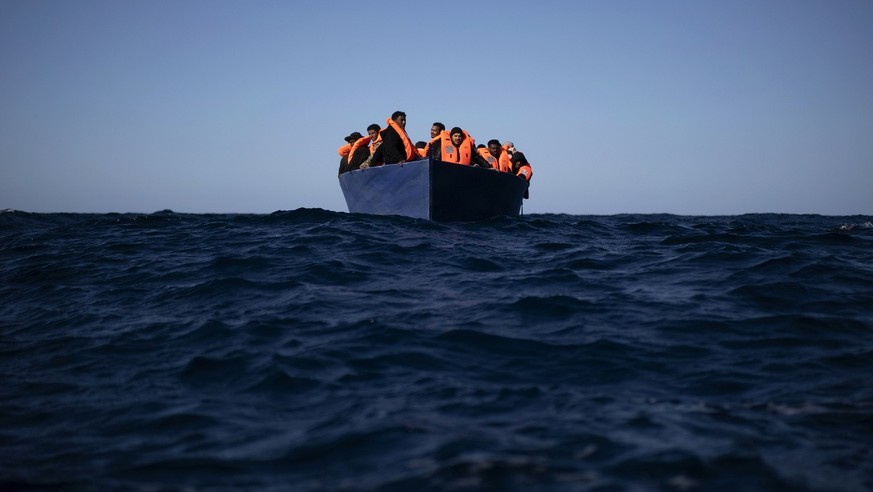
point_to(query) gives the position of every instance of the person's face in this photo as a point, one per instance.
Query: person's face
(401, 121)
(494, 149)
(434, 131)
(457, 138)
(373, 134)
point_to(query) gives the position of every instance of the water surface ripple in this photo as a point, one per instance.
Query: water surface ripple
(313, 350)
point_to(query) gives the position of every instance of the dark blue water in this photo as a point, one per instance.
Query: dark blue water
(312, 350)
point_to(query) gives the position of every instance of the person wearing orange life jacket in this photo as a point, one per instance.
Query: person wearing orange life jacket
(483, 151)
(375, 137)
(344, 152)
(396, 146)
(421, 147)
(509, 147)
(457, 147)
(359, 152)
(497, 157)
(521, 167)
(435, 130)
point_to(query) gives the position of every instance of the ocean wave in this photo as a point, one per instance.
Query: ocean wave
(321, 350)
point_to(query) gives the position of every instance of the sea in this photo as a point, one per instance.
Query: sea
(311, 350)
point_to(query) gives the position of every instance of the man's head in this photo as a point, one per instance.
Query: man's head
(350, 138)
(509, 146)
(436, 128)
(354, 137)
(373, 131)
(420, 144)
(399, 117)
(494, 147)
(457, 135)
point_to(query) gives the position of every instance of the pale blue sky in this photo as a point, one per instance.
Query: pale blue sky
(637, 106)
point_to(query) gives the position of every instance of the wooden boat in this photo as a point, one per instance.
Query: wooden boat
(434, 190)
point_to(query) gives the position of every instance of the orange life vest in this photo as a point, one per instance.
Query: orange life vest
(501, 162)
(357, 144)
(458, 155)
(433, 141)
(344, 150)
(526, 171)
(411, 151)
(377, 142)
(422, 152)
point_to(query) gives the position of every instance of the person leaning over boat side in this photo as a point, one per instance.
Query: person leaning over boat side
(497, 157)
(521, 167)
(396, 146)
(457, 146)
(359, 153)
(435, 131)
(344, 153)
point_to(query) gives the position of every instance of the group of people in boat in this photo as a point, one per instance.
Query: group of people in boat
(392, 145)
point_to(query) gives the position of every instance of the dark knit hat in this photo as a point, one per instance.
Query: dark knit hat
(518, 158)
(456, 130)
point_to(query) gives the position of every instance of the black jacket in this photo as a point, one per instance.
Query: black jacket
(392, 150)
(360, 156)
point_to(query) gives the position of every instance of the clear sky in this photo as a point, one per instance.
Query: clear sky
(628, 106)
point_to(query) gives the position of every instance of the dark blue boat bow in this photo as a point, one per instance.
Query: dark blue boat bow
(434, 190)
